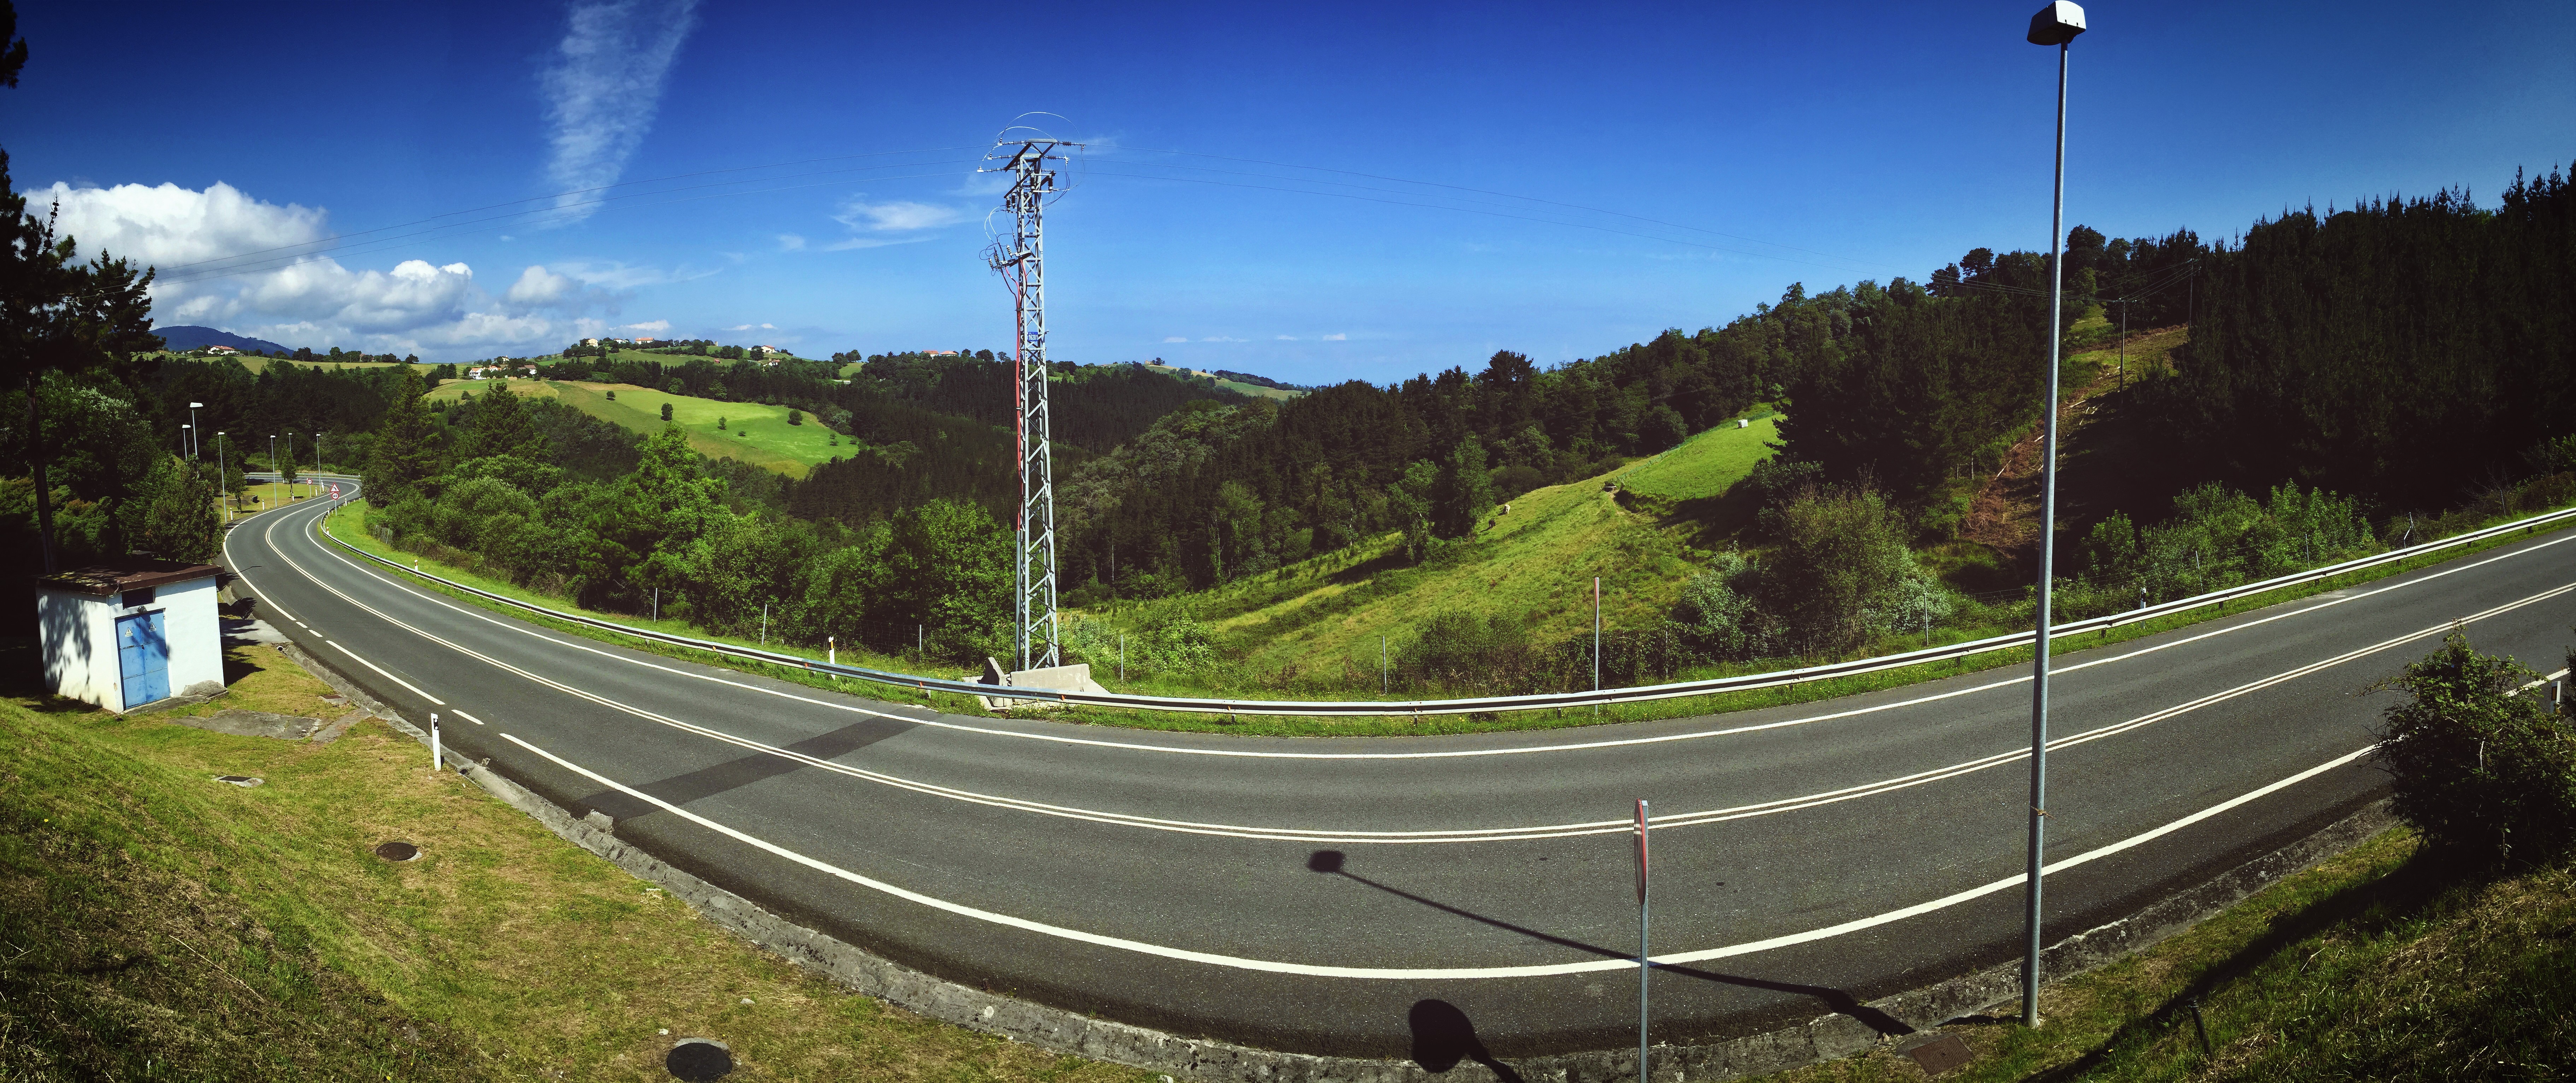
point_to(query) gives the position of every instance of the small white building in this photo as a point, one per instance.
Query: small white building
(131, 632)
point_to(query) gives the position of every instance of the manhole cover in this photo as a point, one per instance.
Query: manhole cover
(1943, 1054)
(243, 781)
(699, 1060)
(397, 851)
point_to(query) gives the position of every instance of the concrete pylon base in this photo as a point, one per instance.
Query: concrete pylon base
(1073, 678)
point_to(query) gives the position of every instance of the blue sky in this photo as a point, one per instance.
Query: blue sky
(1767, 144)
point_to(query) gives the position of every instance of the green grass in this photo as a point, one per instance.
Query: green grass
(2383, 963)
(753, 433)
(158, 925)
(1704, 465)
(1534, 563)
(1237, 386)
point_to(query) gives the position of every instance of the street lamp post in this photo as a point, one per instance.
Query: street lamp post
(192, 424)
(186, 447)
(223, 476)
(2057, 24)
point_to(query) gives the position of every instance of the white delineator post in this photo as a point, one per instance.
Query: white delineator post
(2057, 24)
(436, 761)
(1645, 963)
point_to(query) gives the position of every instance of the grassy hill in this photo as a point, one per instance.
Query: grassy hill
(1704, 465)
(753, 433)
(1237, 386)
(1535, 562)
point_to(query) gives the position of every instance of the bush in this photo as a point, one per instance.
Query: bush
(666, 411)
(795, 417)
(2480, 770)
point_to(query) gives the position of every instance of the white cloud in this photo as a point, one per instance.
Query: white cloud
(413, 295)
(625, 276)
(894, 221)
(538, 286)
(654, 326)
(1176, 338)
(749, 326)
(898, 215)
(789, 242)
(171, 227)
(1219, 338)
(1287, 338)
(603, 89)
(1337, 338)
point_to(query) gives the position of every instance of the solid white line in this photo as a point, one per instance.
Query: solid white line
(388, 676)
(1440, 973)
(1138, 746)
(468, 717)
(1480, 834)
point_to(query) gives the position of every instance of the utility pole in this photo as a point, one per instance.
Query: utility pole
(1021, 259)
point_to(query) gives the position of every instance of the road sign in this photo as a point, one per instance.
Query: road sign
(335, 490)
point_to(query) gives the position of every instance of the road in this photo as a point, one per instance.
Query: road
(1305, 894)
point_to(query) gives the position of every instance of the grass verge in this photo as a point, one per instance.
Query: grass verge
(346, 524)
(2384, 963)
(155, 924)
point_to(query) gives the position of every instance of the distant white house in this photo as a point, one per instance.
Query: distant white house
(221, 350)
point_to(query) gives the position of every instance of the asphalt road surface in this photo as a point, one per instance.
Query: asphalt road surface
(1306, 894)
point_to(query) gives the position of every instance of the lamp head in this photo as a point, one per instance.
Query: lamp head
(2056, 24)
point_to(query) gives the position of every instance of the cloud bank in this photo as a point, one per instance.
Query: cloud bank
(603, 89)
(437, 310)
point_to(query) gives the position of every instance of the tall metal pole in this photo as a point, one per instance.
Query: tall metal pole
(1021, 259)
(2047, 557)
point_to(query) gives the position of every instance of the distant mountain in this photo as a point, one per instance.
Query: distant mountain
(191, 337)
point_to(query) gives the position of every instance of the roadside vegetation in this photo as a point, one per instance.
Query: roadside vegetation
(157, 924)
(2440, 950)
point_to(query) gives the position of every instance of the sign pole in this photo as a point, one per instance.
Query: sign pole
(1645, 966)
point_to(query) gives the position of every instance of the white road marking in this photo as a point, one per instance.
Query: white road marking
(1485, 834)
(1137, 746)
(1442, 973)
(469, 718)
(388, 676)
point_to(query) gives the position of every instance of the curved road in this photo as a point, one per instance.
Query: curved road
(1304, 894)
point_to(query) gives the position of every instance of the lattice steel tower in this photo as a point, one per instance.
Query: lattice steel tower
(1021, 259)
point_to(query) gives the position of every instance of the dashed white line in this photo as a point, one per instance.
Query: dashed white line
(1439, 973)
(469, 718)
(415, 689)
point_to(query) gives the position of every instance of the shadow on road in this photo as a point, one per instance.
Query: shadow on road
(1443, 1036)
(737, 773)
(1330, 862)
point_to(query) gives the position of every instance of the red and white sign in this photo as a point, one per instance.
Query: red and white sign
(335, 490)
(1641, 852)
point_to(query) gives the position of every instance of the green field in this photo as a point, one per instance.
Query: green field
(1704, 465)
(1535, 562)
(1238, 387)
(753, 433)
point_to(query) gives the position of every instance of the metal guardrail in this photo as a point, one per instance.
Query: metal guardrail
(1368, 708)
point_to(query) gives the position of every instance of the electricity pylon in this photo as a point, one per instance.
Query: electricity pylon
(1021, 259)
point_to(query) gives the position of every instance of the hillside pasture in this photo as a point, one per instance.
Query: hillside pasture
(753, 433)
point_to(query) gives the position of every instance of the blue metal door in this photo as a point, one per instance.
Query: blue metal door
(143, 657)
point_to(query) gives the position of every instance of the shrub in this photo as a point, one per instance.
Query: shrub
(666, 411)
(795, 417)
(2480, 769)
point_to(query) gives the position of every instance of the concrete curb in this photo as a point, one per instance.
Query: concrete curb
(1827, 1037)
